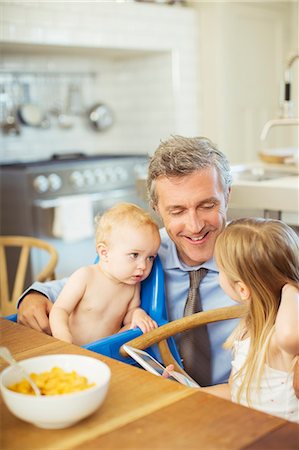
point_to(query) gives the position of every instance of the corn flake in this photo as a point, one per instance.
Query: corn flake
(54, 382)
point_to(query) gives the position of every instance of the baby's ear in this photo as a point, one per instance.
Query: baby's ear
(102, 251)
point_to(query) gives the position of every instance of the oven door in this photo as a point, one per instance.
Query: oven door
(79, 251)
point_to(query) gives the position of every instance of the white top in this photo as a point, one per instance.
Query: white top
(276, 395)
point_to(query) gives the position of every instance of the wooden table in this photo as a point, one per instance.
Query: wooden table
(141, 411)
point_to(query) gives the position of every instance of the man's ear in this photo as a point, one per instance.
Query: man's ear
(156, 209)
(242, 290)
(102, 251)
(227, 197)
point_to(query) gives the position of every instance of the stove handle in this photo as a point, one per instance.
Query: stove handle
(64, 156)
(95, 197)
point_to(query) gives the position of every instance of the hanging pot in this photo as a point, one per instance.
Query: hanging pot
(29, 113)
(100, 117)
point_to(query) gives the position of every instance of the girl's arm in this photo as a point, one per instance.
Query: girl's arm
(296, 379)
(220, 390)
(286, 325)
(136, 316)
(68, 299)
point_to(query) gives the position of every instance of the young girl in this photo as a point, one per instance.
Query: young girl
(258, 261)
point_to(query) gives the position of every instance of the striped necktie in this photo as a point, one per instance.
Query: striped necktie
(195, 345)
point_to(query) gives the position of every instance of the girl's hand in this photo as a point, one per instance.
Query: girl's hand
(168, 369)
(143, 321)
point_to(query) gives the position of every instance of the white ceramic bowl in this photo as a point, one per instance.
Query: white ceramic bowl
(57, 411)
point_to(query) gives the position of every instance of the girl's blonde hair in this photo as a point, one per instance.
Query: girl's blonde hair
(118, 215)
(263, 254)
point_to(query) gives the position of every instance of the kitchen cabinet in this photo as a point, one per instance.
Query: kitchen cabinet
(274, 196)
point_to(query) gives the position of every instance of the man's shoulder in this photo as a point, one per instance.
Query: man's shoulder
(166, 242)
(167, 251)
(165, 239)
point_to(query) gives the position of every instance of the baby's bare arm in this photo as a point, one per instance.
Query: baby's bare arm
(136, 316)
(70, 296)
(132, 306)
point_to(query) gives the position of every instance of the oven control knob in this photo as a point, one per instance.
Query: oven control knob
(55, 182)
(111, 175)
(89, 177)
(140, 170)
(41, 184)
(77, 179)
(121, 173)
(100, 176)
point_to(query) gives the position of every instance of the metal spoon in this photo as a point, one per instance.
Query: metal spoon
(5, 354)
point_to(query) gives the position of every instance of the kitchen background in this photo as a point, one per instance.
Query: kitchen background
(148, 70)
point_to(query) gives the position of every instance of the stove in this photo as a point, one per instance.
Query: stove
(33, 191)
(76, 174)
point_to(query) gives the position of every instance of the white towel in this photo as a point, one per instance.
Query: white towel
(73, 218)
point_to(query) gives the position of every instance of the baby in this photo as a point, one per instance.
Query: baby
(104, 298)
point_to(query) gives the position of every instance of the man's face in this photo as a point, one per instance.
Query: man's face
(193, 209)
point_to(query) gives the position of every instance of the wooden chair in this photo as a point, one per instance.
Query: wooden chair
(159, 335)
(26, 244)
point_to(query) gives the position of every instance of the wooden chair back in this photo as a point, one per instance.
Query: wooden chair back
(160, 335)
(26, 244)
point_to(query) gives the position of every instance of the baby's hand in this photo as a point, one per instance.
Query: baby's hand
(143, 321)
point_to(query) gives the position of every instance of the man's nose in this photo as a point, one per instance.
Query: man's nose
(195, 221)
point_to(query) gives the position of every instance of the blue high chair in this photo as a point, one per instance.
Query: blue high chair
(153, 302)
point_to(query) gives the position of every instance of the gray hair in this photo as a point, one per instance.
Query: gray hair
(180, 156)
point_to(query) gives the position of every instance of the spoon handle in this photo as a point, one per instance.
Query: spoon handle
(7, 356)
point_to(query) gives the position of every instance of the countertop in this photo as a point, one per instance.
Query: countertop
(276, 194)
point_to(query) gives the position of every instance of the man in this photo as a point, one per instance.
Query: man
(189, 183)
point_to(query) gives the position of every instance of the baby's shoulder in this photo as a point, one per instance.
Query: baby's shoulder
(83, 272)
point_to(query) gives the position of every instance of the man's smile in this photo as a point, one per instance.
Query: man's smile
(196, 239)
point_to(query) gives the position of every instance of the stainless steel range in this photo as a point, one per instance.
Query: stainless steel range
(57, 200)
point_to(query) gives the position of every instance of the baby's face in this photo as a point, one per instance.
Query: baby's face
(131, 252)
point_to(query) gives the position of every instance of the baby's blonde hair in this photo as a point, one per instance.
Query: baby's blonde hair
(120, 214)
(263, 254)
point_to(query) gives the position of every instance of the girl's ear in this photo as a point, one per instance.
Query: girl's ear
(242, 290)
(102, 251)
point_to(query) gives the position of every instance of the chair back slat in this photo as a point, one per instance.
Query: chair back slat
(25, 243)
(4, 292)
(160, 334)
(20, 273)
(186, 323)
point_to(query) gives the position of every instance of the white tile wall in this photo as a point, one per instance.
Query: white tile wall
(145, 58)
